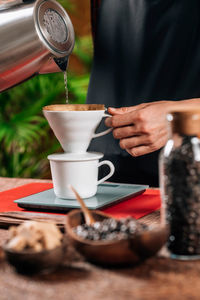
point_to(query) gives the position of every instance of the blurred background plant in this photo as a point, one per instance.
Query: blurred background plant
(25, 136)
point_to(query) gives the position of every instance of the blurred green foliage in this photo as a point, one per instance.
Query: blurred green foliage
(25, 136)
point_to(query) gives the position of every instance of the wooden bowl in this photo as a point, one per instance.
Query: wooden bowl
(116, 252)
(29, 262)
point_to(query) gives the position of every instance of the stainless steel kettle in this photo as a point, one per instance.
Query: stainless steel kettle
(36, 37)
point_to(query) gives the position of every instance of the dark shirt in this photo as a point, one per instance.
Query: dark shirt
(95, 5)
(145, 50)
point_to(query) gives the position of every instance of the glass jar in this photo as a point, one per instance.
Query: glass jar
(179, 170)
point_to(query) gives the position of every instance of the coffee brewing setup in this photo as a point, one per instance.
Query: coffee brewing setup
(36, 37)
(74, 126)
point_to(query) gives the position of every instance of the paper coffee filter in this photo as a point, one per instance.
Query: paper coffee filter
(74, 107)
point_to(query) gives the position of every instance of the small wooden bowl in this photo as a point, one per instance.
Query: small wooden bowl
(29, 262)
(116, 252)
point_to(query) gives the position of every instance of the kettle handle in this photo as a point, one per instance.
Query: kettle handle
(6, 4)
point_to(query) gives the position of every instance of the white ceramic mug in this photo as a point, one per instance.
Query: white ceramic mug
(75, 129)
(78, 170)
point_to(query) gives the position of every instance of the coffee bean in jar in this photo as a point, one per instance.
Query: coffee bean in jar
(180, 183)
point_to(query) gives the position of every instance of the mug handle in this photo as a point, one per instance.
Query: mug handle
(112, 170)
(103, 132)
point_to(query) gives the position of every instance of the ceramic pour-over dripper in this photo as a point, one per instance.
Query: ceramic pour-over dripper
(74, 125)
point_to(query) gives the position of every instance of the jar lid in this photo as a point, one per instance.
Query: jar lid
(185, 119)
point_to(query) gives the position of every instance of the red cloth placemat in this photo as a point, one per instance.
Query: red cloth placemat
(136, 207)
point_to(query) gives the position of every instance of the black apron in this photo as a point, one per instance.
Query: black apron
(145, 50)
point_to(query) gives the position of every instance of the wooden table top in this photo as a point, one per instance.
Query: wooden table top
(156, 278)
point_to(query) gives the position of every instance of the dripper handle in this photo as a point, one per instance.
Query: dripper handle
(103, 132)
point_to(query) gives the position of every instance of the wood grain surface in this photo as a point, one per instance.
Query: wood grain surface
(157, 278)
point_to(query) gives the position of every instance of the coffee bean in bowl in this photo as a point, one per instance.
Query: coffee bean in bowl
(35, 246)
(112, 242)
(110, 229)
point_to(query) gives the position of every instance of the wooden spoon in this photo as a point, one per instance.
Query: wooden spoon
(86, 212)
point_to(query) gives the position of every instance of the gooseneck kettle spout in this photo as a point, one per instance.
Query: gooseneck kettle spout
(36, 37)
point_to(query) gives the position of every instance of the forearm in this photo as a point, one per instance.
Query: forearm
(184, 103)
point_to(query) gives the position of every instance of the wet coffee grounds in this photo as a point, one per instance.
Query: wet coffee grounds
(110, 229)
(182, 182)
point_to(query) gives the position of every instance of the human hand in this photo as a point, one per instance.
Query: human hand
(141, 129)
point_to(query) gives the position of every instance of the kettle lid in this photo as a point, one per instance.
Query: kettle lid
(54, 27)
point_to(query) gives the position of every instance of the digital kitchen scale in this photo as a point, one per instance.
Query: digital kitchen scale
(107, 194)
